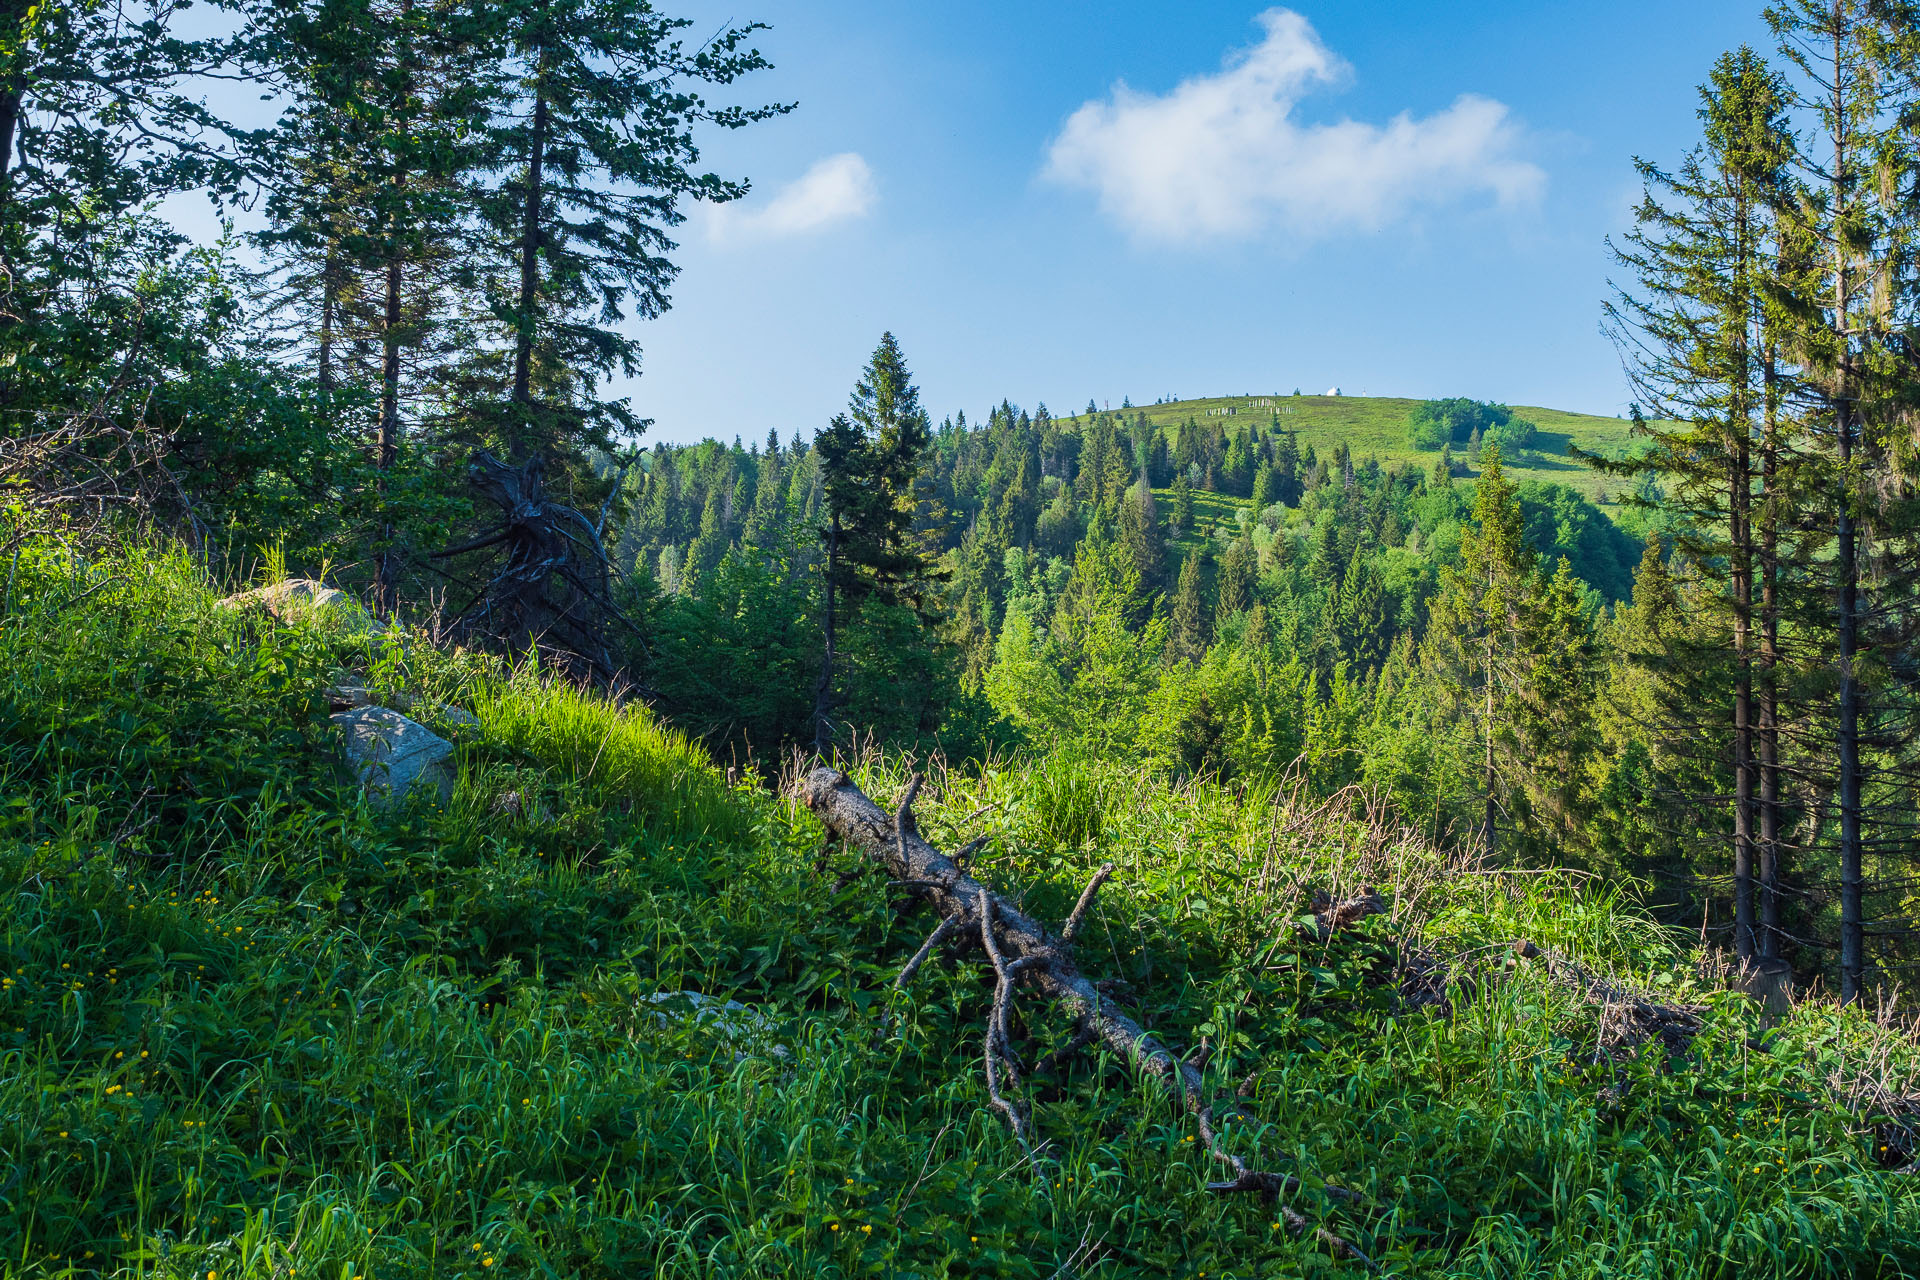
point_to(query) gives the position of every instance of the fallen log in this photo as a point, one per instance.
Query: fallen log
(1023, 951)
(1629, 1018)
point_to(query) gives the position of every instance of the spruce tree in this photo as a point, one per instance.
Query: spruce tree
(1481, 638)
(1846, 316)
(870, 461)
(592, 157)
(1266, 487)
(1694, 323)
(1192, 629)
(1182, 503)
(1288, 468)
(1234, 588)
(1141, 536)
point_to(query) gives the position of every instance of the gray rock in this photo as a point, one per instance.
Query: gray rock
(514, 804)
(304, 600)
(392, 755)
(738, 1023)
(345, 697)
(449, 716)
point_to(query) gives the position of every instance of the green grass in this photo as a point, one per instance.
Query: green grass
(1376, 426)
(250, 1027)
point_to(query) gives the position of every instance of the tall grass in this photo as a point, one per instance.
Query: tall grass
(621, 755)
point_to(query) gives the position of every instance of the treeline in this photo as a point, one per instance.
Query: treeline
(1503, 663)
(1012, 501)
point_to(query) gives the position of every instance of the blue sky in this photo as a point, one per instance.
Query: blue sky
(1057, 201)
(1392, 197)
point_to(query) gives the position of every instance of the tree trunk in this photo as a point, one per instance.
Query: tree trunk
(1846, 560)
(13, 13)
(389, 442)
(530, 237)
(329, 310)
(1740, 583)
(1487, 819)
(823, 692)
(1768, 735)
(9, 126)
(1852, 878)
(1024, 951)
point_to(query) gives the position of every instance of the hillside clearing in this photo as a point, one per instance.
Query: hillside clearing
(1376, 426)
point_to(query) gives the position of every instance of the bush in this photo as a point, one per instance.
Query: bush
(1435, 423)
(1514, 437)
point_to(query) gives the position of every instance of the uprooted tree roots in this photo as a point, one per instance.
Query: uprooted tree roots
(549, 586)
(1025, 952)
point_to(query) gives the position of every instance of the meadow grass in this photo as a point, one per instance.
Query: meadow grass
(250, 1027)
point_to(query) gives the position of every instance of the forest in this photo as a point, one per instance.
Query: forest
(1486, 845)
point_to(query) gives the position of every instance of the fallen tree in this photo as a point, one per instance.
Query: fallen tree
(1025, 953)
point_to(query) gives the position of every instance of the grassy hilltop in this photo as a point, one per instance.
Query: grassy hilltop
(1377, 426)
(252, 1027)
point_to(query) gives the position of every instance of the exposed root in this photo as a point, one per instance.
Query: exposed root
(1021, 949)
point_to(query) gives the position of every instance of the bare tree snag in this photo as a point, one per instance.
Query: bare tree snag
(1022, 949)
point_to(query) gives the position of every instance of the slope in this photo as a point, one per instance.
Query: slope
(1376, 426)
(251, 1027)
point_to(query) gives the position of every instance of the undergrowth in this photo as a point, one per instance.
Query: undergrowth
(251, 1027)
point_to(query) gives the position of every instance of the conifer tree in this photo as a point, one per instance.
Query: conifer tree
(1182, 502)
(1694, 324)
(592, 156)
(1140, 535)
(1266, 487)
(98, 120)
(1362, 620)
(870, 461)
(1482, 639)
(1288, 469)
(1234, 588)
(1848, 320)
(1192, 630)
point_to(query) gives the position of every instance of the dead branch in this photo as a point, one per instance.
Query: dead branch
(944, 930)
(1021, 949)
(999, 1048)
(1079, 912)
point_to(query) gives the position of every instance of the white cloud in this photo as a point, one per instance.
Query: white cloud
(1221, 156)
(834, 190)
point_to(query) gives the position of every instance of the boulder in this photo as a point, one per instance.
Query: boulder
(445, 715)
(392, 755)
(750, 1030)
(304, 600)
(345, 697)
